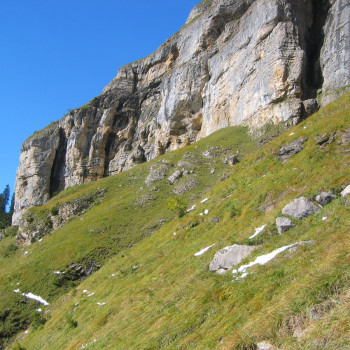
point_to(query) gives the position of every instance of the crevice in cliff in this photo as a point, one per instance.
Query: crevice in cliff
(57, 170)
(109, 153)
(314, 42)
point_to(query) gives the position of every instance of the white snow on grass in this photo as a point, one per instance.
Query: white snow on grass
(17, 291)
(36, 297)
(39, 310)
(200, 214)
(324, 218)
(192, 208)
(25, 253)
(25, 332)
(206, 211)
(57, 272)
(262, 260)
(204, 200)
(258, 231)
(101, 304)
(91, 294)
(174, 234)
(291, 134)
(201, 252)
(85, 291)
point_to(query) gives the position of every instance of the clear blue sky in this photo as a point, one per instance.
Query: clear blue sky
(57, 55)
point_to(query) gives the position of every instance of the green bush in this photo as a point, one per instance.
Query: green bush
(54, 210)
(70, 321)
(11, 231)
(232, 209)
(177, 205)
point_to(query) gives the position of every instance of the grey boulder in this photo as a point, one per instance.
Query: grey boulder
(325, 198)
(283, 224)
(291, 149)
(300, 208)
(230, 256)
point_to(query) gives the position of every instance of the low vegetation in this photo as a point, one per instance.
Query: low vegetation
(147, 290)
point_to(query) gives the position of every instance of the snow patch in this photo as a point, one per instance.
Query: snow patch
(206, 211)
(201, 252)
(17, 291)
(25, 253)
(204, 200)
(192, 208)
(262, 259)
(324, 218)
(39, 310)
(291, 134)
(57, 272)
(174, 234)
(91, 294)
(258, 231)
(36, 297)
(101, 304)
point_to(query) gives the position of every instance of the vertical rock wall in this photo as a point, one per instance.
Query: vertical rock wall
(235, 62)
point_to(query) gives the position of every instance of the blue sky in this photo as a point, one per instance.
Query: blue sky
(59, 54)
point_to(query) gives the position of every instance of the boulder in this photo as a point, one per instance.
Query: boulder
(345, 192)
(291, 149)
(300, 208)
(283, 224)
(325, 197)
(175, 176)
(230, 256)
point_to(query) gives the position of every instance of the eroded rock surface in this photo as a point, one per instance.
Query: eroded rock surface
(230, 256)
(300, 208)
(235, 62)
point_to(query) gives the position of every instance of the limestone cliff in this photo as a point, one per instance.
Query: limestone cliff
(234, 62)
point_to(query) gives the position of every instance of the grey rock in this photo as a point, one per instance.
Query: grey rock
(325, 198)
(311, 106)
(157, 173)
(291, 149)
(175, 176)
(283, 224)
(230, 256)
(264, 345)
(185, 186)
(322, 139)
(215, 219)
(300, 208)
(231, 160)
(345, 192)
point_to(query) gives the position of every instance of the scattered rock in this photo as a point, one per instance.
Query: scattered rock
(321, 140)
(175, 176)
(212, 171)
(283, 224)
(291, 149)
(215, 219)
(185, 164)
(311, 106)
(157, 173)
(345, 192)
(345, 137)
(185, 186)
(231, 160)
(300, 208)
(207, 154)
(145, 199)
(325, 198)
(265, 346)
(230, 256)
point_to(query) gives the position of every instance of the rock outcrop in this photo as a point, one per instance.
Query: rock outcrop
(300, 208)
(235, 62)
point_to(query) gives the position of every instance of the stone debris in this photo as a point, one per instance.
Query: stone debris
(300, 208)
(284, 224)
(291, 149)
(175, 176)
(345, 192)
(230, 256)
(325, 198)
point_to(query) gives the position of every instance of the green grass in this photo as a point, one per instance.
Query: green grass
(161, 296)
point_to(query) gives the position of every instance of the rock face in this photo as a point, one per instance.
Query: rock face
(235, 62)
(230, 256)
(283, 224)
(291, 149)
(300, 208)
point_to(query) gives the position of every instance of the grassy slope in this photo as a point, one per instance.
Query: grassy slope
(170, 300)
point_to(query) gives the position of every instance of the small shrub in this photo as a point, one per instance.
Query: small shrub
(232, 209)
(11, 231)
(177, 205)
(55, 210)
(18, 346)
(70, 321)
(9, 250)
(38, 321)
(30, 219)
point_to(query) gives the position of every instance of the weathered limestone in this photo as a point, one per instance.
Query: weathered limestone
(283, 224)
(235, 62)
(300, 208)
(230, 256)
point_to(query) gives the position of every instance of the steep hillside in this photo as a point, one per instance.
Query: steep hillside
(151, 291)
(234, 62)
